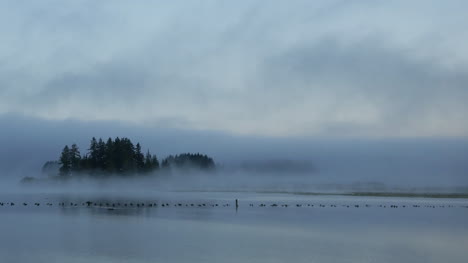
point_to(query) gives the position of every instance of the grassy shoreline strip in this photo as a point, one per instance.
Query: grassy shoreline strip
(363, 194)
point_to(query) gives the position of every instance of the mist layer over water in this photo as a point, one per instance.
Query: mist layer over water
(400, 162)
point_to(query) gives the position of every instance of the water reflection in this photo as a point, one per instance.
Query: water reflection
(262, 229)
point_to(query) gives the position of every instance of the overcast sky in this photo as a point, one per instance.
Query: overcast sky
(260, 68)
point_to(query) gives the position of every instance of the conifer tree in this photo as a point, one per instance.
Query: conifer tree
(101, 154)
(93, 153)
(109, 156)
(117, 157)
(148, 163)
(154, 163)
(75, 158)
(65, 161)
(139, 158)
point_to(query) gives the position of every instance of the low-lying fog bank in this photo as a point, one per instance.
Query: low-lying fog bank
(221, 180)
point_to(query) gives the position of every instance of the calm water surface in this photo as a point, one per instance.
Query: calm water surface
(436, 231)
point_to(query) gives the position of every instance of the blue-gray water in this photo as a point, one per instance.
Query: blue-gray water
(436, 231)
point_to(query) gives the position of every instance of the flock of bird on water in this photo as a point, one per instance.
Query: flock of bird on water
(128, 205)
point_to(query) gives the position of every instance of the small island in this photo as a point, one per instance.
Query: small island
(120, 156)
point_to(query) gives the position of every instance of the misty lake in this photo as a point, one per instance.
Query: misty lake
(309, 229)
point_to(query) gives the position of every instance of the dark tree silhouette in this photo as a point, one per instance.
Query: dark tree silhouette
(93, 157)
(101, 155)
(154, 163)
(189, 160)
(139, 158)
(65, 161)
(121, 156)
(110, 156)
(75, 158)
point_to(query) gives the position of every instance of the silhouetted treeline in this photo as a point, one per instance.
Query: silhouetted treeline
(188, 160)
(113, 156)
(120, 156)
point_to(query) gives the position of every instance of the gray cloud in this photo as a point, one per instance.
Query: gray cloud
(348, 68)
(368, 87)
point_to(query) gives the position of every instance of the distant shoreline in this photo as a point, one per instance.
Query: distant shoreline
(422, 195)
(357, 194)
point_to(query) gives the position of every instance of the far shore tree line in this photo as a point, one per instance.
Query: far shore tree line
(120, 156)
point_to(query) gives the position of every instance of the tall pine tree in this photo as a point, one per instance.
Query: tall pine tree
(65, 161)
(75, 158)
(139, 158)
(93, 153)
